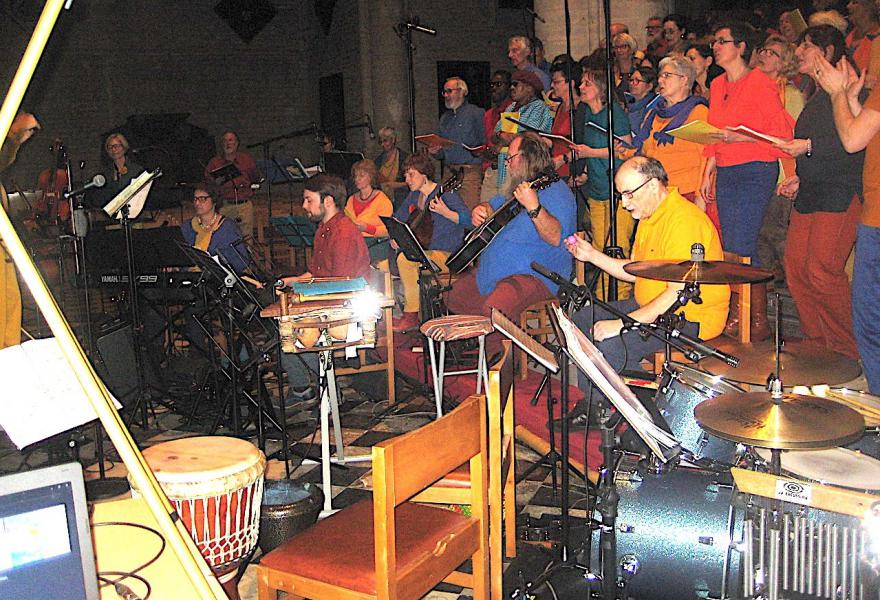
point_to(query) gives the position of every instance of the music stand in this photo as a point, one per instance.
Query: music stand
(299, 231)
(339, 163)
(226, 173)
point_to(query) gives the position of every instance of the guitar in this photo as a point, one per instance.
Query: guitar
(421, 221)
(480, 238)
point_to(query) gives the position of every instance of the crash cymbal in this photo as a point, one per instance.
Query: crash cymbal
(790, 422)
(802, 363)
(698, 272)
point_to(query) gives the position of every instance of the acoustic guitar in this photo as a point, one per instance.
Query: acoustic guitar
(421, 221)
(480, 238)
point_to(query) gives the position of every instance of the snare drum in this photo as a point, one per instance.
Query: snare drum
(836, 466)
(216, 485)
(674, 530)
(681, 390)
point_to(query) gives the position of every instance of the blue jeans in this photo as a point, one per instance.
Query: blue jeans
(866, 303)
(743, 192)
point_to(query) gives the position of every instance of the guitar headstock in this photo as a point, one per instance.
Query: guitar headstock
(544, 180)
(451, 184)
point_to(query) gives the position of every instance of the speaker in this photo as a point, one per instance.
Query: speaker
(117, 366)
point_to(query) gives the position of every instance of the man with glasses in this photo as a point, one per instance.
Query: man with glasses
(235, 193)
(463, 123)
(668, 226)
(501, 101)
(654, 35)
(504, 278)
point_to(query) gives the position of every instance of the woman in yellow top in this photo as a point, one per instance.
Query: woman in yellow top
(368, 203)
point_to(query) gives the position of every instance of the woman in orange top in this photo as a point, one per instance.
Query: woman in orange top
(368, 203)
(683, 160)
(746, 170)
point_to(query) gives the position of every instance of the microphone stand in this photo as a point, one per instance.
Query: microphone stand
(404, 32)
(310, 130)
(613, 249)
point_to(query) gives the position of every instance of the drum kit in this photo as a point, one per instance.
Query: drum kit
(687, 531)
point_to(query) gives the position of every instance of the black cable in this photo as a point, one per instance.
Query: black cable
(134, 572)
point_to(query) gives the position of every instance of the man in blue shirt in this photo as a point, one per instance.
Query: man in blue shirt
(462, 123)
(519, 51)
(504, 278)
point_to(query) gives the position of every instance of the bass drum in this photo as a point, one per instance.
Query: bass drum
(674, 531)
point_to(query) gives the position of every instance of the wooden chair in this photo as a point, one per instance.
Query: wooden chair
(537, 313)
(384, 339)
(455, 488)
(392, 548)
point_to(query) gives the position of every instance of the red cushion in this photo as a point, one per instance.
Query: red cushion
(339, 549)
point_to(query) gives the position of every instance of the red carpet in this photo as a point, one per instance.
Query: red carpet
(533, 418)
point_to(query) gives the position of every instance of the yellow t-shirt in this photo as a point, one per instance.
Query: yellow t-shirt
(668, 235)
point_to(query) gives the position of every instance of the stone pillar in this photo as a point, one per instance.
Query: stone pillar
(588, 22)
(383, 68)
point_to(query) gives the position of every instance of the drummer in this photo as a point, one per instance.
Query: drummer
(668, 226)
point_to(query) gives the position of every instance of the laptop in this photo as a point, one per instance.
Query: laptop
(45, 538)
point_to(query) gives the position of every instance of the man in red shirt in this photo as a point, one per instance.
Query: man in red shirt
(235, 193)
(501, 101)
(339, 250)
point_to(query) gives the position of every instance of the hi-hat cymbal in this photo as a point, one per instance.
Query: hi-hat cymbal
(789, 422)
(689, 271)
(801, 363)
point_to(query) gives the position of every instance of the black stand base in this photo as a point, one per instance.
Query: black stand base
(109, 487)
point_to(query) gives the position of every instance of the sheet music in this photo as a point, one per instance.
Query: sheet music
(522, 339)
(135, 193)
(591, 362)
(43, 395)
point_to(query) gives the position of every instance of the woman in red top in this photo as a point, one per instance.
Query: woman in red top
(745, 170)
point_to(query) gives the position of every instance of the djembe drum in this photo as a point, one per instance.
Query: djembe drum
(216, 485)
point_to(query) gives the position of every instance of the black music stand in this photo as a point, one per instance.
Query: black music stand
(339, 163)
(226, 173)
(239, 308)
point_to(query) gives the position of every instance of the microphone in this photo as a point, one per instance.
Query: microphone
(413, 24)
(370, 126)
(535, 15)
(698, 252)
(551, 275)
(705, 349)
(96, 182)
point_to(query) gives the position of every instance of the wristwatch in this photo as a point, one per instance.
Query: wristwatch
(533, 214)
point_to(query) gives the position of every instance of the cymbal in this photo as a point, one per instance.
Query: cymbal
(801, 363)
(698, 272)
(790, 422)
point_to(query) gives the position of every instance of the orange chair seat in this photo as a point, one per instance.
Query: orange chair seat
(346, 539)
(459, 478)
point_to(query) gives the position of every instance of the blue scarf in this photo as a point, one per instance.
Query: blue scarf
(678, 112)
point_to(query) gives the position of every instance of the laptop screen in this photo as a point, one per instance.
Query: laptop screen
(45, 540)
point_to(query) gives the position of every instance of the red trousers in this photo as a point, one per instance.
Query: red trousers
(511, 296)
(816, 250)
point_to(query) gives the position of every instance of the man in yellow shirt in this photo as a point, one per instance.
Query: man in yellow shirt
(668, 226)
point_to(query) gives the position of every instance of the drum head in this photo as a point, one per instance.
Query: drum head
(710, 385)
(205, 466)
(837, 466)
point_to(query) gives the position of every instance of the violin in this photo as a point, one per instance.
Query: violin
(421, 221)
(51, 207)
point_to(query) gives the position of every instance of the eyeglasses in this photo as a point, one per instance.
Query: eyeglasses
(634, 80)
(668, 74)
(114, 146)
(769, 51)
(510, 158)
(447, 91)
(628, 194)
(653, 28)
(197, 198)
(496, 84)
(722, 42)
